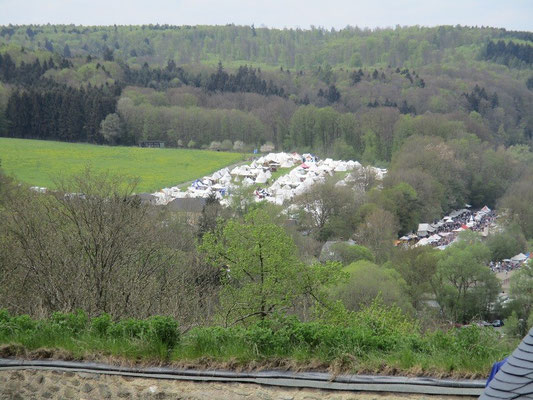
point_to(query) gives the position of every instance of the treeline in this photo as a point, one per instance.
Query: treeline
(509, 53)
(245, 79)
(190, 127)
(292, 48)
(335, 109)
(60, 112)
(27, 74)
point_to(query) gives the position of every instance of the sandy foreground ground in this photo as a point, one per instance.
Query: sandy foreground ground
(31, 384)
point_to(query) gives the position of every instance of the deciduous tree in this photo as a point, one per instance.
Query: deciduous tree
(262, 272)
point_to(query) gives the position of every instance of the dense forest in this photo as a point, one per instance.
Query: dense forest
(342, 93)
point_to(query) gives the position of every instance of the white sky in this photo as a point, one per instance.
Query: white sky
(510, 14)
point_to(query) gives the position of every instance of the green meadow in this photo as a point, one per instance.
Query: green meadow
(40, 163)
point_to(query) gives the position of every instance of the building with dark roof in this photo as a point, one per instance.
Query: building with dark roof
(188, 205)
(514, 380)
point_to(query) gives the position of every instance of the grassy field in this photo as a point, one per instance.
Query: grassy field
(39, 163)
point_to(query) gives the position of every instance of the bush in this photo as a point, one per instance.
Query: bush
(215, 145)
(514, 326)
(156, 329)
(211, 341)
(476, 341)
(267, 147)
(22, 323)
(226, 145)
(388, 324)
(348, 254)
(129, 328)
(4, 316)
(239, 145)
(100, 325)
(163, 329)
(71, 322)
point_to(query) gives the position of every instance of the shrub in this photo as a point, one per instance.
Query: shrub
(267, 147)
(164, 330)
(476, 341)
(238, 145)
(226, 145)
(129, 328)
(212, 340)
(215, 145)
(71, 322)
(4, 316)
(388, 324)
(350, 253)
(23, 323)
(101, 325)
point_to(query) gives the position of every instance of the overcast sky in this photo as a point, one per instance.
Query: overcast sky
(510, 14)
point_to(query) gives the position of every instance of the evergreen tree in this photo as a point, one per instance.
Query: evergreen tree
(66, 51)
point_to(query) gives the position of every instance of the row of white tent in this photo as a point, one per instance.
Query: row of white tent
(302, 178)
(219, 182)
(307, 172)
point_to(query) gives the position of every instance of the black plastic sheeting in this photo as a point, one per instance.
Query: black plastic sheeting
(316, 380)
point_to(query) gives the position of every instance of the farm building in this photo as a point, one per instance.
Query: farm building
(153, 144)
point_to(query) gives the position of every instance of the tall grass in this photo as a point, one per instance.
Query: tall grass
(368, 344)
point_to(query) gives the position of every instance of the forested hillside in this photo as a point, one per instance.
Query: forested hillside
(345, 93)
(422, 101)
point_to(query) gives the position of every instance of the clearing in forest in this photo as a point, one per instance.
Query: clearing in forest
(39, 163)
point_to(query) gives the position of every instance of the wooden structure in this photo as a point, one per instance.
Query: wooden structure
(153, 144)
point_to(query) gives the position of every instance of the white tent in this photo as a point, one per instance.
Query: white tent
(301, 189)
(353, 164)
(261, 178)
(519, 258)
(287, 164)
(434, 238)
(342, 182)
(425, 229)
(422, 242)
(247, 182)
(341, 167)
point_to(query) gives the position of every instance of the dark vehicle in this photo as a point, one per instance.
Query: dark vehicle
(497, 323)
